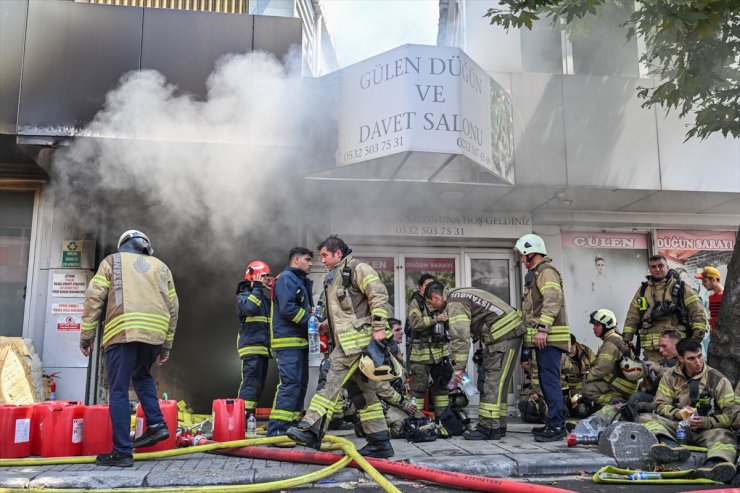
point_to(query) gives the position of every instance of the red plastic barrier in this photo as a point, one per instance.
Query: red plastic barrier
(15, 431)
(97, 436)
(228, 420)
(61, 430)
(169, 411)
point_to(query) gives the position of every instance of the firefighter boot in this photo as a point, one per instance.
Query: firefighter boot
(305, 435)
(717, 470)
(378, 445)
(483, 433)
(668, 450)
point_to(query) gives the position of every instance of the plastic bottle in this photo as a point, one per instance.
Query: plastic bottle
(681, 432)
(468, 387)
(314, 339)
(642, 475)
(251, 425)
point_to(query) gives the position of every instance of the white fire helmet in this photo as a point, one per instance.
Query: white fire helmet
(134, 233)
(604, 317)
(383, 372)
(632, 369)
(530, 243)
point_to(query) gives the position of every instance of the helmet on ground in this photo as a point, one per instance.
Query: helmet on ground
(256, 268)
(133, 234)
(604, 317)
(631, 369)
(390, 369)
(530, 243)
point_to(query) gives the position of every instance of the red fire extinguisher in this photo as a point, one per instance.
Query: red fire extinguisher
(53, 385)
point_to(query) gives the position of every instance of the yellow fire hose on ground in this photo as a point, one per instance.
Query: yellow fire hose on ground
(347, 446)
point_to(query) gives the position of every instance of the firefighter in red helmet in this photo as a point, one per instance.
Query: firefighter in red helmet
(253, 310)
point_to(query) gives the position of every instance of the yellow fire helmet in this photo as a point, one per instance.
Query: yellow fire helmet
(384, 372)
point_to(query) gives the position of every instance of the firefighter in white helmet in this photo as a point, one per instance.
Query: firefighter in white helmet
(253, 309)
(547, 329)
(615, 375)
(133, 294)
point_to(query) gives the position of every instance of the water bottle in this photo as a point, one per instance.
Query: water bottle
(468, 387)
(642, 475)
(681, 432)
(314, 341)
(251, 425)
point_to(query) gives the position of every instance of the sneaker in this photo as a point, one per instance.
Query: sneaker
(539, 429)
(550, 434)
(303, 434)
(721, 472)
(114, 459)
(664, 453)
(153, 434)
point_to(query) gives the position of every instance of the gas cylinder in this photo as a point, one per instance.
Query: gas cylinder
(61, 430)
(15, 431)
(98, 433)
(228, 420)
(169, 412)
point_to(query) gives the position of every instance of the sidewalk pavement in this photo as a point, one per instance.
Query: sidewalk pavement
(515, 456)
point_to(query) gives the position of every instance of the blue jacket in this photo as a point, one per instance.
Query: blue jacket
(253, 309)
(291, 309)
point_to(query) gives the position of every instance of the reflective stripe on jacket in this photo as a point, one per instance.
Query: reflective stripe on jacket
(138, 295)
(476, 313)
(544, 305)
(420, 320)
(351, 310)
(291, 308)
(253, 309)
(606, 367)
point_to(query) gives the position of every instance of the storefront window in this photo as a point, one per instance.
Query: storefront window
(385, 267)
(442, 268)
(15, 241)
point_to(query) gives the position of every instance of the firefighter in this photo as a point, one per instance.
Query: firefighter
(479, 314)
(663, 302)
(547, 330)
(574, 367)
(700, 398)
(253, 301)
(605, 381)
(428, 348)
(356, 301)
(133, 293)
(291, 308)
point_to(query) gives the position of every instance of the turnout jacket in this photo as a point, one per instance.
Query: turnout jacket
(291, 308)
(479, 314)
(574, 368)
(356, 304)
(677, 390)
(640, 313)
(544, 306)
(137, 293)
(606, 367)
(421, 321)
(253, 309)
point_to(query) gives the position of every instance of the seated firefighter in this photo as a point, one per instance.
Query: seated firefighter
(699, 401)
(615, 376)
(532, 408)
(574, 367)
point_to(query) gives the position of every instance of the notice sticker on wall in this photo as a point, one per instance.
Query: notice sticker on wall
(77, 430)
(22, 430)
(68, 324)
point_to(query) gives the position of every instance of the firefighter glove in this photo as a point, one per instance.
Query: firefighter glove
(242, 286)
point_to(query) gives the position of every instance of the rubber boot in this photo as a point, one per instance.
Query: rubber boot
(717, 470)
(378, 445)
(668, 450)
(303, 434)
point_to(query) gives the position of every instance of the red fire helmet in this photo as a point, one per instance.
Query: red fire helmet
(256, 268)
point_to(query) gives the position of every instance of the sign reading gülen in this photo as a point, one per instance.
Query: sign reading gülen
(419, 98)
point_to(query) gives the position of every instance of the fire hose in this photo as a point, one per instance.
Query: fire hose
(244, 448)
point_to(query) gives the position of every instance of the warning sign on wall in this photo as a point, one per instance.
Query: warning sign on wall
(67, 324)
(74, 308)
(69, 285)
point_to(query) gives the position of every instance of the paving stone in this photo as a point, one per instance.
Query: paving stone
(181, 477)
(100, 478)
(492, 466)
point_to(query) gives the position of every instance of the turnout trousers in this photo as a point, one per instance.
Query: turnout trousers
(344, 368)
(720, 442)
(254, 374)
(291, 390)
(499, 361)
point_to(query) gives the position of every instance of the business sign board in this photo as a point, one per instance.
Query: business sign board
(427, 99)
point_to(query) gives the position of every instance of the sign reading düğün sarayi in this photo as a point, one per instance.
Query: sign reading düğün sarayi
(417, 98)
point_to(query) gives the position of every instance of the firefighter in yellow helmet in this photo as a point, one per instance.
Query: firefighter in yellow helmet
(607, 381)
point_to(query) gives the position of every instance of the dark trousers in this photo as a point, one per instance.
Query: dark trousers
(291, 391)
(130, 363)
(548, 365)
(254, 374)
